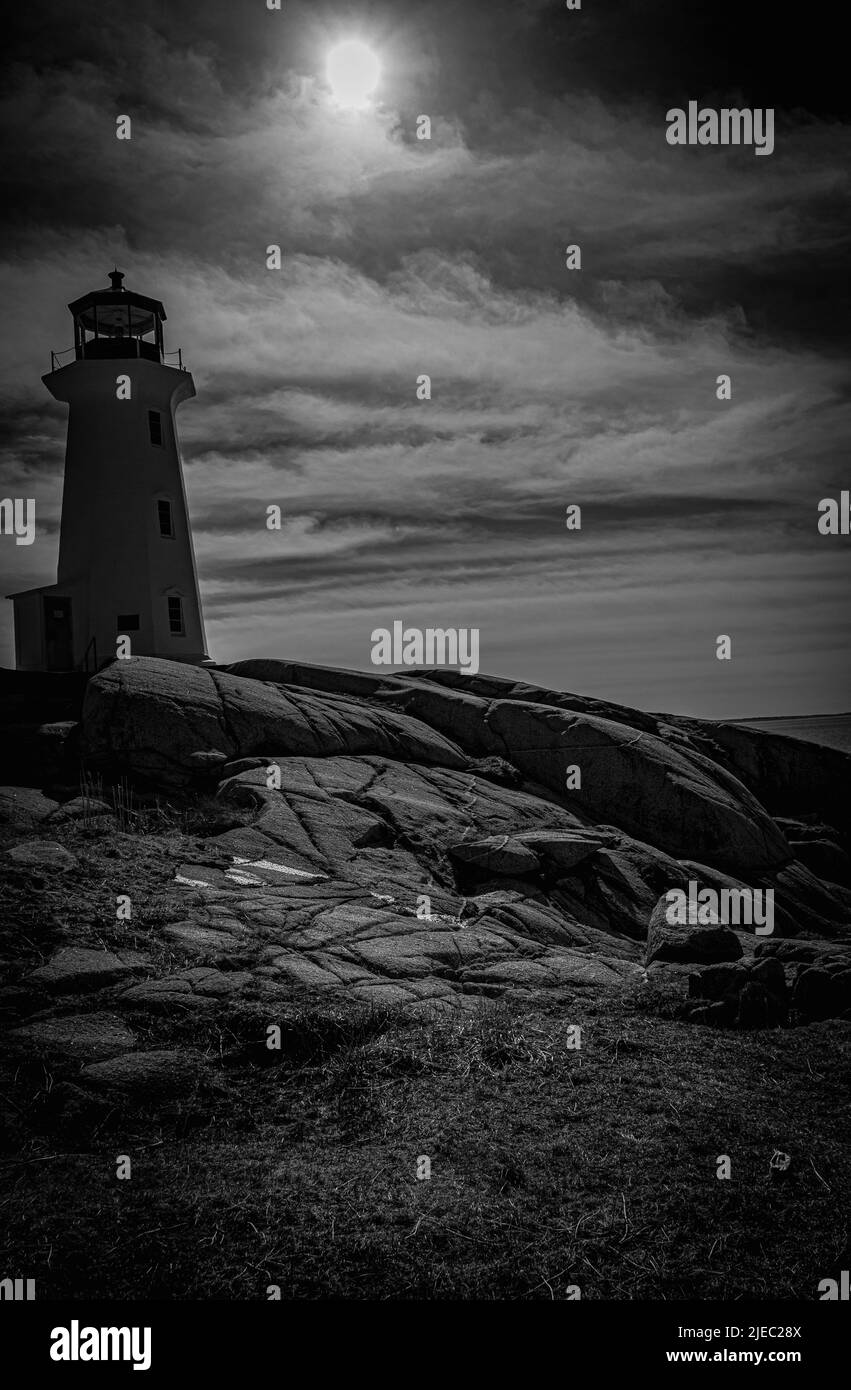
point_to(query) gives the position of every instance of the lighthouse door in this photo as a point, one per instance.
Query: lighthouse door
(58, 646)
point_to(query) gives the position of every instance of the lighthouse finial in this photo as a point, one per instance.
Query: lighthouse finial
(117, 276)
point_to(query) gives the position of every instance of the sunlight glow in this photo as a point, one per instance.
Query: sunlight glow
(352, 71)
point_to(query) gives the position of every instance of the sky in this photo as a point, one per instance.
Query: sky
(400, 257)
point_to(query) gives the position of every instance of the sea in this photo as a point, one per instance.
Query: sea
(832, 730)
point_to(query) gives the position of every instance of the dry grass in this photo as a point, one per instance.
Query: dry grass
(298, 1167)
(549, 1167)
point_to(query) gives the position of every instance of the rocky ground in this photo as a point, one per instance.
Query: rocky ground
(406, 878)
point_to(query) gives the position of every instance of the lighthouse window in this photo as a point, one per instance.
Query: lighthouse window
(175, 616)
(155, 427)
(164, 513)
(127, 622)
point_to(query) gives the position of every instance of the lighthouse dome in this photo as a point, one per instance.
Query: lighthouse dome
(117, 322)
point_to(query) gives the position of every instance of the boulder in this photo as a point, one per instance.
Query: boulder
(500, 854)
(818, 994)
(683, 805)
(42, 856)
(756, 1007)
(401, 795)
(788, 775)
(684, 943)
(75, 969)
(79, 1037)
(665, 793)
(151, 716)
(563, 849)
(161, 1073)
(751, 994)
(196, 940)
(501, 688)
(718, 981)
(23, 807)
(171, 995)
(48, 750)
(805, 952)
(769, 972)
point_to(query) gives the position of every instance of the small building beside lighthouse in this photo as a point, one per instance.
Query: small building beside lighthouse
(126, 559)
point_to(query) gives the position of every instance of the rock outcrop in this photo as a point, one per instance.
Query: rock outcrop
(430, 839)
(688, 942)
(154, 718)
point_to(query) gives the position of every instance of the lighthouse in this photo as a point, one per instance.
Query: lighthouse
(126, 560)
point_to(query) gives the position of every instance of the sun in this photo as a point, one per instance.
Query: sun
(352, 71)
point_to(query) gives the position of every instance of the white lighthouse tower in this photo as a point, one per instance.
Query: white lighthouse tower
(126, 561)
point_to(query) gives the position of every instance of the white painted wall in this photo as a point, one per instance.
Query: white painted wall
(112, 558)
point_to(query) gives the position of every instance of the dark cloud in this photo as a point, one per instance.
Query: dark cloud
(447, 257)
